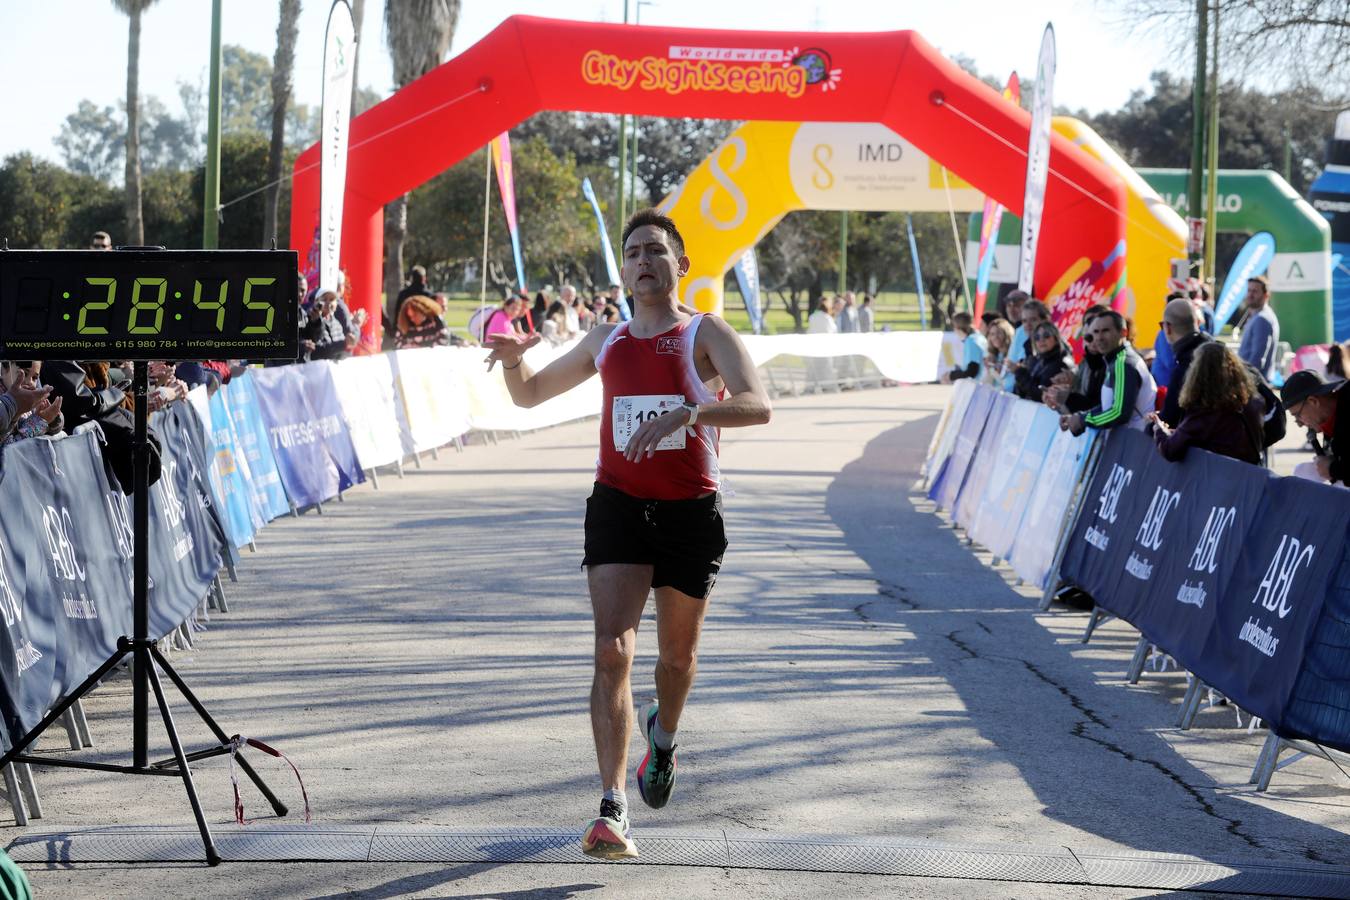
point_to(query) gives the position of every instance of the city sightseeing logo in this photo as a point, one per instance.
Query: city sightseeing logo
(735, 70)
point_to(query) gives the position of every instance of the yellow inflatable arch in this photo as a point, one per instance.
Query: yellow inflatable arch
(764, 170)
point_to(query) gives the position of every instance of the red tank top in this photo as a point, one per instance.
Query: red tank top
(642, 376)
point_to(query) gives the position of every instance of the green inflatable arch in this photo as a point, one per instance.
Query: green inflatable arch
(1252, 200)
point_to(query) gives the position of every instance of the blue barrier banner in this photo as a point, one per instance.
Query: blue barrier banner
(1027, 432)
(65, 592)
(296, 443)
(947, 484)
(1218, 502)
(185, 544)
(238, 504)
(1100, 543)
(1033, 550)
(326, 415)
(253, 441)
(982, 466)
(1282, 577)
(1319, 707)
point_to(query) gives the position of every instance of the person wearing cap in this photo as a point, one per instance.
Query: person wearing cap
(1319, 404)
(1261, 333)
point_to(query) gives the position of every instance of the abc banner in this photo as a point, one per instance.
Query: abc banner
(66, 560)
(1221, 564)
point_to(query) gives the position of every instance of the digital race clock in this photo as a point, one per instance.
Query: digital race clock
(148, 304)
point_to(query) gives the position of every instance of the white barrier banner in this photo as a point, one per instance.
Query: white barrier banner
(1033, 550)
(370, 406)
(910, 357)
(944, 437)
(490, 406)
(436, 400)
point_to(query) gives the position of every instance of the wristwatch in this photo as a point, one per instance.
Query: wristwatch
(693, 412)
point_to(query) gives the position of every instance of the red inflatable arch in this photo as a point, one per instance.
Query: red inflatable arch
(530, 64)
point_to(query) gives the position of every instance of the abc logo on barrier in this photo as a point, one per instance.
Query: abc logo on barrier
(1204, 556)
(1150, 530)
(1290, 556)
(58, 527)
(1118, 480)
(10, 607)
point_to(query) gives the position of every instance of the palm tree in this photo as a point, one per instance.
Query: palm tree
(133, 9)
(283, 64)
(418, 33)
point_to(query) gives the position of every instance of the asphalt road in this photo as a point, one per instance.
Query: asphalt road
(423, 653)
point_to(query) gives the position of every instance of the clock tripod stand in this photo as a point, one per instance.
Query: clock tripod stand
(147, 303)
(147, 665)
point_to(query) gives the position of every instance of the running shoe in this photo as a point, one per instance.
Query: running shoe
(609, 837)
(656, 772)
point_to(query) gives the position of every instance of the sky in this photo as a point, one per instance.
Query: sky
(55, 53)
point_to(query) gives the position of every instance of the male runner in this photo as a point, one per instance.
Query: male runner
(654, 520)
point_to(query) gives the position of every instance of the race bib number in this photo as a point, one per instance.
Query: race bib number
(630, 412)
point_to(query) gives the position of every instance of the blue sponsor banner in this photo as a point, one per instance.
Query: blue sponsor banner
(1252, 260)
(1191, 554)
(326, 415)
(747, 279)
(296, 443)
(1112, 510)
(1281, 579)
(241, 398)
(1319, 707)
(238, 503)
(1027, 433)
(947, 485)
(982, 466)
(185, 544)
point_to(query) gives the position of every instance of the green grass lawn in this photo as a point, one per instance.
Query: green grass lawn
(898, 310)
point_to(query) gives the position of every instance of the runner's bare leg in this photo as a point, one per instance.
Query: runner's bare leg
(679, 622)
(618, 594)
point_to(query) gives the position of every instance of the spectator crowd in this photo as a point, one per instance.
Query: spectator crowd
(1189, 389)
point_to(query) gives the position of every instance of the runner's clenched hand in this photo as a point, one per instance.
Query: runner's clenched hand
(652, 432)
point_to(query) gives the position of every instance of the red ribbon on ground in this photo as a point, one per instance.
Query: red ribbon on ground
(238, 743)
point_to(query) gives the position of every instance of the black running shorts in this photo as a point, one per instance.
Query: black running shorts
(683, 540)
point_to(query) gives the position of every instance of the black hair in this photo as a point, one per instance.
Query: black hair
(1115, 317)
(654, 216)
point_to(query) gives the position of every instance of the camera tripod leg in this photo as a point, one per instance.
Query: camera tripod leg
(277, 806)
(212, 857)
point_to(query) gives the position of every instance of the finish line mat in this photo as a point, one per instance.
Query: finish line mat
(714, 848)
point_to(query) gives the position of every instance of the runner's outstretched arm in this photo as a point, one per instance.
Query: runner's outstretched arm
(529, 388)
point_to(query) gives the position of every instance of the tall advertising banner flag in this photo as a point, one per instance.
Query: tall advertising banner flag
(339, 60)
(501, 160)
(1252, 260)
(918, 273)
(747, 277)
(992, 219)
(1038, 157)
(611, 268)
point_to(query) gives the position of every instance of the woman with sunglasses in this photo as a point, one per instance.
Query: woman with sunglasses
(1051, 357)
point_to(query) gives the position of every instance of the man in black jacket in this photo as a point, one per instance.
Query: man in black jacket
(1323, 405)
(1182, 331)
